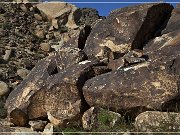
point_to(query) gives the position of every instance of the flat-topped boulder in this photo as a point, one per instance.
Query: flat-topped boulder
(61, 13)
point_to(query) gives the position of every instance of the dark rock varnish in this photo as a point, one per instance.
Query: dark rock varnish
(126, 28)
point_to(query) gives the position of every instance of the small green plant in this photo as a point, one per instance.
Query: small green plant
(104, 118)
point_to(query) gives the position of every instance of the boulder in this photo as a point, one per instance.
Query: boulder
(45, 68)
(149, 85)
(96, 118)
(4, 89)
(53, 89)
(65, 102)
(173, 21)
(62, 12)
(154, 121)
(126, 28)
(38, 125)
(19, 118)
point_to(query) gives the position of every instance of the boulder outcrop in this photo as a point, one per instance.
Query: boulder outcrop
(154, 121)
(126, 28)
(127, 63)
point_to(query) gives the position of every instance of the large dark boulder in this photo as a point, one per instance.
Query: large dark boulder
(126, 28)
(45, 68)
(53, 89)
(150, 85)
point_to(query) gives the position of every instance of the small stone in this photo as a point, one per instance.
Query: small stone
(37, 125)
(24, 8)
(23, 72)
(19, 118)
(4, 89)
(40, 33)
(50, 29)
(55, 23)
(48, 130)
(7, 55)
(31, 8)
(45, 47)
(38, 17)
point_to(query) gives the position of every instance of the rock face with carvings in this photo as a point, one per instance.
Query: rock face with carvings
(152, 84)
(53, 89)
(125, 29)
(127, 63)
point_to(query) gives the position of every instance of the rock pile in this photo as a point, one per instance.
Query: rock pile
(28, 34)
(126, 63)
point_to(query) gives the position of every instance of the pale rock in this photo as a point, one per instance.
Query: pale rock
(38, 17)
(7, 55)
(23, 72)
(38, 125)
(4, 89)
(48, 130)
(45, 47)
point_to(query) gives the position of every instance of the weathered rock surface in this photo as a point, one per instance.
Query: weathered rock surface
(53, 88)
(19, 118)
(22, 33)
(45, 68)
(79, 40)
(126, 28)
(61, 12)
(154, 121)
(63, 86)
(150, 85)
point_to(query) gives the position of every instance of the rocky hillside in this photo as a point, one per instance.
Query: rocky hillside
(67, 69)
